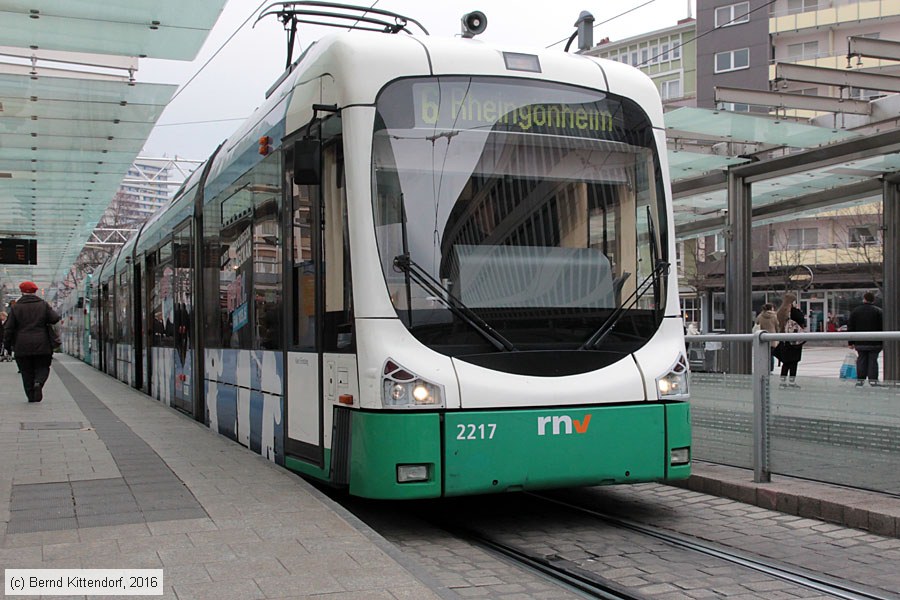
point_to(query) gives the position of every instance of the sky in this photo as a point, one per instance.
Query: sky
(209, 107)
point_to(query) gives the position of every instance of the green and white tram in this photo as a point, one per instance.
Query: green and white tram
(424, 267)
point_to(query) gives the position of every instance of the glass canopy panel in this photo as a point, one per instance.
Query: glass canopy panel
(62, 168)
(14, 160)
(50, 185)
(45, 108)
(745, 128)
(73, 127)
(700, 206)
(87, 162)
(783, 189)
(85, 90)
(872, 167)
(684, 164)
(170, 29)
(61, 142)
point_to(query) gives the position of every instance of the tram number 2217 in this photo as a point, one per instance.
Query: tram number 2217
(476, 432)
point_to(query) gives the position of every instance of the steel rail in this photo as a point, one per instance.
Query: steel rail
(588, 584)
(816, 581)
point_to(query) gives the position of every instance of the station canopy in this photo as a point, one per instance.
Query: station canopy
(73, 116)
(699, 180)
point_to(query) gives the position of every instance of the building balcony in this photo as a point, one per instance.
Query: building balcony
(826, 255)
(833, 12)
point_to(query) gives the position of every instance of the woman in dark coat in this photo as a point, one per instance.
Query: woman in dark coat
(789, 353)
(27, 334)
(3, 316)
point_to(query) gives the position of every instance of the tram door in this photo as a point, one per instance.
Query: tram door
(303, 428)
(183, 308)
(148, 327)
(108, 328)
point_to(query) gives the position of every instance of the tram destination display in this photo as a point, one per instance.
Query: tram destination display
(14, 251)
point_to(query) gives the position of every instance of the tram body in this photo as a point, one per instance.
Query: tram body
(74, 324)
(422, 268)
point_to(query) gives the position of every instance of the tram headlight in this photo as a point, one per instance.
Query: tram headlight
(402, 388)
(674, 383)
(398, 393)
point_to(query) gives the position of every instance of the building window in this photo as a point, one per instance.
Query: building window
(862, 236)
(804, 51)
(733, 60)
(690, 310)
(676, 47)
(863, 94)
(665, 52)
(654, 55)
(670, 89)
(808, 237)
(735, 107)
(800, 6)
(734, 14)
(634, 59)
(645, 55)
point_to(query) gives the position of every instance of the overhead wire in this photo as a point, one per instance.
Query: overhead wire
(201, 122)
(216, 53)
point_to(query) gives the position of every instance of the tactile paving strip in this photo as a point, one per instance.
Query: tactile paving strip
(147, 491)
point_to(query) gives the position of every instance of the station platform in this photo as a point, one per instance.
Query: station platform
(100, 476)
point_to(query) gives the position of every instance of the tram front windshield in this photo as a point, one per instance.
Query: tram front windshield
(524, 208)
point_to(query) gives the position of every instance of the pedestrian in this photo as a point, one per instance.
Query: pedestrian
(3, 316)
(790, 320)
(866, 317)
(768, 321)
(27, 334)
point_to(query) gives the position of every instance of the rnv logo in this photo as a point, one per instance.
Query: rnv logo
(563, 425)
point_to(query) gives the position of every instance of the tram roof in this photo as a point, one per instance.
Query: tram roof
(70, 132)
(72, 116)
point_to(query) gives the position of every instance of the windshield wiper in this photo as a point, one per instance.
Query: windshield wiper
(407, 265)
(649, 282)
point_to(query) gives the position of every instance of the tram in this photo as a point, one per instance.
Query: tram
(424, 267)
(74, 324)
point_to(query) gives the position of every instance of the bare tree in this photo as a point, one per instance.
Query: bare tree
(694, 273)
(858, 242)
(787, 257)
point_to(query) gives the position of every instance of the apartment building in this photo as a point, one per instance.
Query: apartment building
(830, 258)
(668, 56)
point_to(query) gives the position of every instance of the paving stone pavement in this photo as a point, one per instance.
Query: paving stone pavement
(265, 533)
(259, 531)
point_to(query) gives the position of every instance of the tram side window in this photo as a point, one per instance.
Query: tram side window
(234, 280)
(338, 295)
(267, 274)
(93, 315)
(183, 297)
(123, 314)
(161, 298)
(304, 279)
(109, 312)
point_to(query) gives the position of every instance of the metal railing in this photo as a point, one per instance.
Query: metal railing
(823, 426)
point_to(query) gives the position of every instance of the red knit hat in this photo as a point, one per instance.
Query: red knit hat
(28, 287)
